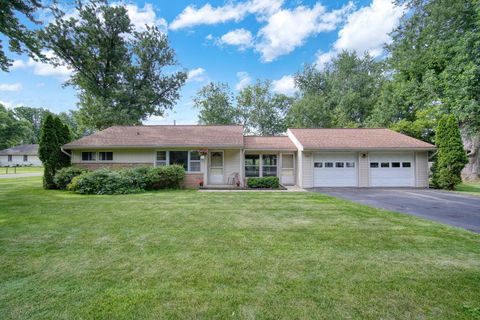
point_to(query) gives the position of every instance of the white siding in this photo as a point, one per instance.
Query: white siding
(307, 168)
(363, 173)
(17, 160)
(121, 156)
(231, 163)
(421, 169)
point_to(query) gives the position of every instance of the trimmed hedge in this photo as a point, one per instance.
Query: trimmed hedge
(123, 181)
(65, 175)
(264, 183)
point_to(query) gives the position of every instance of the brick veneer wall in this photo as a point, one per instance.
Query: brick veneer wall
(191, 179)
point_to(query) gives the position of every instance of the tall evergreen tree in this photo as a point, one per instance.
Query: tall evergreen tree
(451, 157)
(53, 135)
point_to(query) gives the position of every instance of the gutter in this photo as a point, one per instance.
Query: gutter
(68, 154)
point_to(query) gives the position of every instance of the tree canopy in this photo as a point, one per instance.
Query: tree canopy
(123, 75)
(20, 38)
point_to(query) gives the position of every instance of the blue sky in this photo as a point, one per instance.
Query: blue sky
(229, 41)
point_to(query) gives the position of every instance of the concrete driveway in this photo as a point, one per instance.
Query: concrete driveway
(447, 207)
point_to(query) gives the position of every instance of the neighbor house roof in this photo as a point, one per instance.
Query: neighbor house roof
(268, 143)
(163, 136)
(24, 149)
(356, 139)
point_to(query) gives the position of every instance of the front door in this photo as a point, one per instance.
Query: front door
(288, 169)
(215, 170)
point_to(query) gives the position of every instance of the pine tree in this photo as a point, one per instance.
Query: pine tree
(54, 134)
(451, 157)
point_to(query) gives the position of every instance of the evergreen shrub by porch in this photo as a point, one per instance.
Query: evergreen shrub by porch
(165, 177)
(65, 175)
(264, 183)
(130, 180)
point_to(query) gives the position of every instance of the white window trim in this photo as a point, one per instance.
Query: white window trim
(167, 159)
(98, 156)
(260, 169)
(263, 165)
(94, 152)
(199, 161)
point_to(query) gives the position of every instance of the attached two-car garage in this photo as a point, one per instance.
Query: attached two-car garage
(341, 169)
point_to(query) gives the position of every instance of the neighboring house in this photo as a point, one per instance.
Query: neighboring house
(305, 157)
(24, 155)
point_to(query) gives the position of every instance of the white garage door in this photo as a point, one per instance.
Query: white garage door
(335, 169)
(392, 169)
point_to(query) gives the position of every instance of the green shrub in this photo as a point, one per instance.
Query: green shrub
(122, 181)
(264, 182)
(104, 181)
(165, 177)
(65, 175)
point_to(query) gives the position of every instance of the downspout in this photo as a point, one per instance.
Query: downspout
(68, 154)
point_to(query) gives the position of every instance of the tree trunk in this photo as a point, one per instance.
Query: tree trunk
(471, 143)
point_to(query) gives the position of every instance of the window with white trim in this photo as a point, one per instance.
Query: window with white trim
(25, 158)
(9, 158)
(89, 156)
(269, 167)
(105, 156)
(194, 161)
(252, 165)
(161, 159)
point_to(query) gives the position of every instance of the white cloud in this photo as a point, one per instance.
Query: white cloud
(243, 80)
(323, 58)
(11, 86)
(238, 37)
(145, 16)
(43, 69)
(366, 30)
(192, 16)
(288, 29)
(196, 75)
(285, 85)
(9, 104)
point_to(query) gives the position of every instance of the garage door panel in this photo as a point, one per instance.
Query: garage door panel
(385, 173)
(335, 170)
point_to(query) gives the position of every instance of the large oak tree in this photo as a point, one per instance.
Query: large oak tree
(123, 75)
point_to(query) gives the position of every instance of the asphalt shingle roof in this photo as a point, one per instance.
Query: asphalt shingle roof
(268, 143)
(357, 139)
(24, 149)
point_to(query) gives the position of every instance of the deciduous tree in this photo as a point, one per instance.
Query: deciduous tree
(123, 76)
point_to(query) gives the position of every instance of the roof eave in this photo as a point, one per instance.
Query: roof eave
(138, 146)
(373, 149)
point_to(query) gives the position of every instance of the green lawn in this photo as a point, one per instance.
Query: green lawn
(186, 254)
(469, 187)
(11, 170)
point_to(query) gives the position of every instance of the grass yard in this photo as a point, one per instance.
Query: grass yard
(185, 254)
(10, 170)
(469, 187)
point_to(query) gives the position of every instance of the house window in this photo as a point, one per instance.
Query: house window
(385, 165)
(350, 164)
(269, 167)
(373, 164)
(406, 164)
(395, 164)
(161, 159)
(25, 158)
(194, 161)
(105, 156)
(252, 165)
(328, 164)
(180, 158)
(9, 158)
(339, 164)
(318, 164)
(88, 156)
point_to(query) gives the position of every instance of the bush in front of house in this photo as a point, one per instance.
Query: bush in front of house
(131, 180)
(104, 181)
(65, 175)
(264, 183)
(165, 177)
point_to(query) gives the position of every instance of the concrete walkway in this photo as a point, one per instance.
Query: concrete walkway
(289, 189)
(20, 175)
